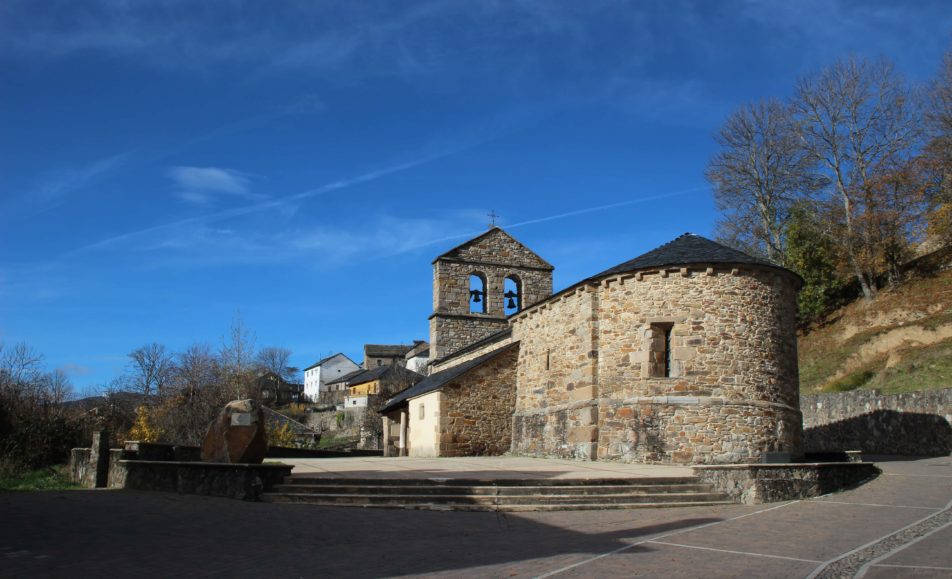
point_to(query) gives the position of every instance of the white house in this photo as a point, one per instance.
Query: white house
(418, 356)
(324, 371)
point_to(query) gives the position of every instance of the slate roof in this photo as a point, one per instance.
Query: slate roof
(420, 348)
(386, 350)
(323, 360)
(440, 379)
(347, 377)
(687, 249)
(383, 372)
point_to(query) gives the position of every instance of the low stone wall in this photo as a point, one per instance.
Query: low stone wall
(235, 481)
(754, 484)
(78, 470)
(913, 423)
(170, 468)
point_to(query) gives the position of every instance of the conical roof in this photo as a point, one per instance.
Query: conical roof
(685, 250)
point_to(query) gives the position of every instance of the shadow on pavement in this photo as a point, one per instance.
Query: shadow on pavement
(127, 533)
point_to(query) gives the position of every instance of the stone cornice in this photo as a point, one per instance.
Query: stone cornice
(665, 400)
(493, 264)
(483, 317)
(709, 270)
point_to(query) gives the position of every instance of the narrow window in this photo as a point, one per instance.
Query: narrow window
(512, 294)
(659, 350)
(477, 294)
(667, 352)
(422, 413)
(547, 352)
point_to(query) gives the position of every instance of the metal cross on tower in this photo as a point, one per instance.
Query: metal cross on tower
(492, 218)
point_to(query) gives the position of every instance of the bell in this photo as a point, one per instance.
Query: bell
(475, 295)
(512, 299)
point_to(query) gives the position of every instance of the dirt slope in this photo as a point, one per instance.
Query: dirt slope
(897, 342)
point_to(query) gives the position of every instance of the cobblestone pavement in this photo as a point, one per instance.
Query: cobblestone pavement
(895, 526)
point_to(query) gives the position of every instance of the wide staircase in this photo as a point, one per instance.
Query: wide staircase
(497, 495)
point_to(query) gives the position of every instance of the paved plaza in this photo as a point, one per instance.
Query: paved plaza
(899, 525)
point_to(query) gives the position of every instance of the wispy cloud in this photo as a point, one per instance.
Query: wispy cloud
(287, 202)
(203, 184)
(61, 183)
(323, 245)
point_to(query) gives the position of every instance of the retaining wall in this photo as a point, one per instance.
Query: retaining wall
(913, 423)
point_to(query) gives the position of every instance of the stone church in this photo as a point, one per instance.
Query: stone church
(686, 354)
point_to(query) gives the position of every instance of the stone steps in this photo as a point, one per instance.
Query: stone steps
(497, 495)
(423, 490)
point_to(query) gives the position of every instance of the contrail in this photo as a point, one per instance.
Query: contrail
(239, 211)
(563, 215)
(603, 207)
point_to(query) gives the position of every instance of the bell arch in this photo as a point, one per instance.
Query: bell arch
(512, 294)
(477, 292)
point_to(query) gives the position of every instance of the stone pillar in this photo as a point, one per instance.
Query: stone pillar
(98, 471)
(386, 435)
(403, 433)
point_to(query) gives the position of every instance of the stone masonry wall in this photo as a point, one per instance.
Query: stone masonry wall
(476, 353)
(912, 423)
(556, 400)
(477, 407)
(494, 257)
(732, 394)
(452, 333)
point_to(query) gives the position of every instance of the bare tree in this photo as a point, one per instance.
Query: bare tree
(237, 357)
(859, 121)
(19, 365)
(151, 369)
(34, 428)
(197, 368)
(937, 157)
(939, 115)
(760, 171)
(57, 387)
(276, 360)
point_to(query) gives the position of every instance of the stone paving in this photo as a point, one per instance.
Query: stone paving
(895, 526)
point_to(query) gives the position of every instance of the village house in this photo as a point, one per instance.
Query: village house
(323, 371)
(376, 355)
(418, 357)
(277, 391)
(382, 381)
(685, 354)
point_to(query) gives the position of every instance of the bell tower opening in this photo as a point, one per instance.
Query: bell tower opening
(478, 284)
(512, 293)
(477, 293)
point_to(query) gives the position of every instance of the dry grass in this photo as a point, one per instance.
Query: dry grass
(841, 355)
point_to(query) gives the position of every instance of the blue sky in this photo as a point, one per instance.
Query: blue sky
(166, 165)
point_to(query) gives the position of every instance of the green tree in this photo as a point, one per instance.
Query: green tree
(812, 252)
(862, 123)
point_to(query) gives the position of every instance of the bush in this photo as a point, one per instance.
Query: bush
(851, 381)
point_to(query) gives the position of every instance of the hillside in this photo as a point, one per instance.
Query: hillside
(897, 342)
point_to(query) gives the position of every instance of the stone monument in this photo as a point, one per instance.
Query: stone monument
(238, 435)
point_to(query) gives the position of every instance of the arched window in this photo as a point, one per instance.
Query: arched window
(477, 293)
(512, 294)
